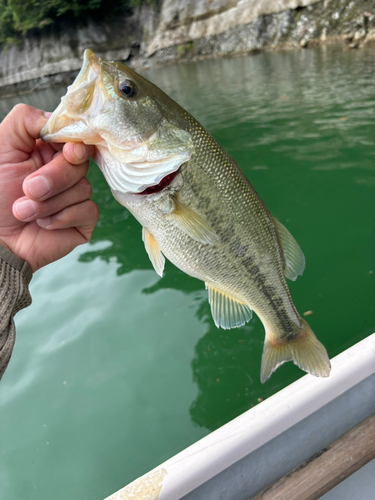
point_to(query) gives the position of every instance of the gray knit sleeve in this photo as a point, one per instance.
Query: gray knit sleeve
(15, 276)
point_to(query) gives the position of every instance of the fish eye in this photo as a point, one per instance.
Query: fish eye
(127, 88)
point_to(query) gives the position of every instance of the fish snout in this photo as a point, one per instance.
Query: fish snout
(70, 120)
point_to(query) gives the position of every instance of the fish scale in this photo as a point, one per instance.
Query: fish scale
(194, 203)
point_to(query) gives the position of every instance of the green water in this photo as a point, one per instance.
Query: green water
(115, 370)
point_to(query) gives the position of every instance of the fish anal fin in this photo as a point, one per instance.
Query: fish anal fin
(192, 223)
(304, 350)
(294, 258)
(227, 312)
(153, 251)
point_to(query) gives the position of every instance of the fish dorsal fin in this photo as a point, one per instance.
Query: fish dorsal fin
(227, 312)
(192, 223)
(294, 258)
(153, 251)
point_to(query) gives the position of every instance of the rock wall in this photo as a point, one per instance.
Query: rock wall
(182, 30)
(196, 20)
(55, 55)
(233, 27)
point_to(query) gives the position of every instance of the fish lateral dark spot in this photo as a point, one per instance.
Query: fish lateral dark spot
(248, 263)
(216, 219)
(227, 237)
(237, 248)
(269, 293)
(290, 337)
(204, 202)
(255, 270)
(269, 290)
(278, 302)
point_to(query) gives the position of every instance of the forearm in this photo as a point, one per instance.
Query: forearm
(15, 276)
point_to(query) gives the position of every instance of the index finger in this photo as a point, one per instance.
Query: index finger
(22, 126)
(43, 153)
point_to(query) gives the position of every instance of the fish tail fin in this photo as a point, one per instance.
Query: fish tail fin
(304, 350)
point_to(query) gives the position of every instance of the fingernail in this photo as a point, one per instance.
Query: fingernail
(26, 209)
(47, 114)
(39, 186)
(79, 151)
(44, 222)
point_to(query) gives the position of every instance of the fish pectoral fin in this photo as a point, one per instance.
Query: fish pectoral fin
(227, 312)
(153, 251)
(305, 351)
(192, 223)
(294, 258)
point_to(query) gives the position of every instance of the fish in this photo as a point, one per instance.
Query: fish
(194, 203)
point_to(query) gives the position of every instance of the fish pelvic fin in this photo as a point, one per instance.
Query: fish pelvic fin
(227, 312)
(304, 350)
(153, 251)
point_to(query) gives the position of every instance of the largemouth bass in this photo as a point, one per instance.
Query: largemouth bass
(195, 205)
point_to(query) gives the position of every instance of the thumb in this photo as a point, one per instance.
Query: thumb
(20, 129)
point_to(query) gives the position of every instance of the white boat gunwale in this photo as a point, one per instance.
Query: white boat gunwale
(248, 454)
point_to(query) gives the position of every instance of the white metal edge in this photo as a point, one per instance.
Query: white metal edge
(209, 456)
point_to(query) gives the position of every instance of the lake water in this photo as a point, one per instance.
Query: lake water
(115, 369)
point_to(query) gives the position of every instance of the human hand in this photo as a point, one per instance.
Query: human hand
(45, 210)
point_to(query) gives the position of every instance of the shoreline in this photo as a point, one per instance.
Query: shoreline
(66, 78)
(180, 33)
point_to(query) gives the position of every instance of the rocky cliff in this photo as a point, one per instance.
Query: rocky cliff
(182, 30)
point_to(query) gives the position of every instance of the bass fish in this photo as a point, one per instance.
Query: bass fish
(195, 205)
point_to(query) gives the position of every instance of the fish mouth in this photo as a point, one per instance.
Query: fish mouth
(69, 121)
(87, 97)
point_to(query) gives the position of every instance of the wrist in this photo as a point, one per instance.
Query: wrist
(12, 255)
(10, 258)
(3, 244)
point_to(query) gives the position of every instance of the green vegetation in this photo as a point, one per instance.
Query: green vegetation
(185, 49)
(17, 17)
